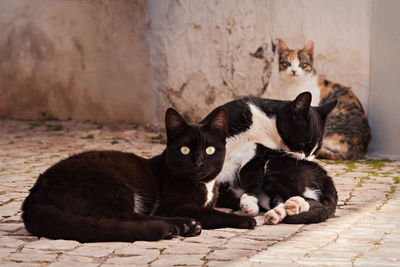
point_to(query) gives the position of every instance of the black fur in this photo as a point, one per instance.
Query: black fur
(285, 177)
(92, 196)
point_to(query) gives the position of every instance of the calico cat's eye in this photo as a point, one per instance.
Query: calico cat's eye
(210, 150)
(304, 65)
(286, 64)
(185, 150)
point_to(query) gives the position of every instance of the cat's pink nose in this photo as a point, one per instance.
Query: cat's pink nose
(293, 72)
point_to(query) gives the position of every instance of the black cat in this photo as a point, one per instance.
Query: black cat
(299, 191)
(116, 196)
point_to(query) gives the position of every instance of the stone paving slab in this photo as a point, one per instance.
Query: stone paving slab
(365, 231)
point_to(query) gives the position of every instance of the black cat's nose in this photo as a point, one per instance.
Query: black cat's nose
(198, 162)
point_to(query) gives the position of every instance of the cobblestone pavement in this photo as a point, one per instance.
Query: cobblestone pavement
(365, 231)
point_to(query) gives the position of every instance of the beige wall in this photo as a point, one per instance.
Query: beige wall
(125, 60)
(201, 49)
(75, 59)
(385, 79)
(340, 30)
(130, 60)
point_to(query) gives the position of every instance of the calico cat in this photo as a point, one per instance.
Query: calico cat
(299, 191)
(116, 196)
(347, 132)
(291, 126)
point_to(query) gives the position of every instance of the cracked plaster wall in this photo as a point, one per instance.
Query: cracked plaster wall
(74, 59)
(206, 53)
(123, 60)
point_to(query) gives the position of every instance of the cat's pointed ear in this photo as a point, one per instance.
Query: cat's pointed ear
(325, 109)
(301, 105)
(218, 123)
(174, 123)
(282, 47)
(309, 49)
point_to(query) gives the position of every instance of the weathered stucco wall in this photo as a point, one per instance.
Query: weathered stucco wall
(130, 60)
(201, 50)
(75, 59)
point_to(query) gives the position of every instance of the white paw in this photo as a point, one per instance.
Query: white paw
(276, 215)
(248, 204)
(295, 205)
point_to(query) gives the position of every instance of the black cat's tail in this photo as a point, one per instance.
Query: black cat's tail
(319, 210)
(51, 222)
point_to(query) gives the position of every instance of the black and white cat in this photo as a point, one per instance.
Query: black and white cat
(291, 126)
(289, 189)
(116, 196)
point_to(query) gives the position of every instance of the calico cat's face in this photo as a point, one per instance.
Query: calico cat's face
(301, 126)
(297, 63)
(196, 151)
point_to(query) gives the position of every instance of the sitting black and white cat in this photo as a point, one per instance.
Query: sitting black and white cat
(116, 196)
(289, 189)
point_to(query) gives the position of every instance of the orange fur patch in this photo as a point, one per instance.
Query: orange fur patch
(293, 55)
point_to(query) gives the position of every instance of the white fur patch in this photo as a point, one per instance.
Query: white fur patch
(235, 159)
(138, 202)
(312, 193)
(248, 204)
(264, 200)
(210, 193)
(275, 215)
(295, 205)
(241, 147)
(303, 81)
(301, 155)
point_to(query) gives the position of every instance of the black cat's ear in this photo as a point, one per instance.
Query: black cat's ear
(282, 48)
(218, 123)
(301, 105)
(325, 109)
(309, 48)
(174, 123)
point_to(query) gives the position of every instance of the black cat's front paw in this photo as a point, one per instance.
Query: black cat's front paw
(156, 230)
(246, 222)
(187, 226)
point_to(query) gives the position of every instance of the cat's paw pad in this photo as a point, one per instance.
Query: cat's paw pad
(248, 204)
(275, 216)
(295, 205)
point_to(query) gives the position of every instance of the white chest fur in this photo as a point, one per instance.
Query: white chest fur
(242, 147)
(293, 86)
(210, 193)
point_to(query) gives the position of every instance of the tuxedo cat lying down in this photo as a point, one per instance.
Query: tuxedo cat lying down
(290, 132)
(115, 196)
(299, 191)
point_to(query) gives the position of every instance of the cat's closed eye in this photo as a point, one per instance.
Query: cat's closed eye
(185, 150)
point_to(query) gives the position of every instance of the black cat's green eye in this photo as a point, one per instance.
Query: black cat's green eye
(210, 150)
(185, 150)
(304, 65)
